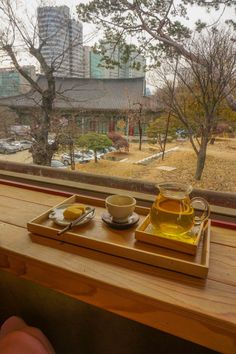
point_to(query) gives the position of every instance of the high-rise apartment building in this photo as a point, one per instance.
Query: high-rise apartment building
(113, 71)
(86, 61)
(94, 66)
(12, 83)
(61, 38)
(140, 62)
(76, 48)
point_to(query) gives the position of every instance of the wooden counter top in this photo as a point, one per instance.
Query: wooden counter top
(202, 311)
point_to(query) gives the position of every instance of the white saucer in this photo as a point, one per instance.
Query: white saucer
(57, 216)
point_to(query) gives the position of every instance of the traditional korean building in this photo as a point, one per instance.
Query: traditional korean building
(99, 105)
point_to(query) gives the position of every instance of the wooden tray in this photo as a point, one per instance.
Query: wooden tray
(98, 236)
(188, 244)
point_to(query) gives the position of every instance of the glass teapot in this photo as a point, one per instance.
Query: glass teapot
(173, 211)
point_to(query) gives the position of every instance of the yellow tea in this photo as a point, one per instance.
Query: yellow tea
(172, 216)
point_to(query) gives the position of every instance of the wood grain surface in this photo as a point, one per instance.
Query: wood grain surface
(202, 311)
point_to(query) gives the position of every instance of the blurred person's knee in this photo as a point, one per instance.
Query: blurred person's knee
(17, 337)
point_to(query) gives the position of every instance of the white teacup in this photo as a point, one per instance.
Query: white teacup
(120, 207)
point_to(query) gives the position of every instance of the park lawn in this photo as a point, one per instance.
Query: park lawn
(219, 172)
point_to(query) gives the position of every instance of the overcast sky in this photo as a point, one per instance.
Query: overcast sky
(195, 13)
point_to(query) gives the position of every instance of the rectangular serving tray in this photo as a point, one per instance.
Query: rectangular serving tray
(187, 243)
(96, 235)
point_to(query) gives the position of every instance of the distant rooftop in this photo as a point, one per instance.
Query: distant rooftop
(89, 94)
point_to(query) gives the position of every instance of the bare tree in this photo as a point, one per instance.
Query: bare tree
(201, 89)
(15, 34)
(135, 115)
(138, 118)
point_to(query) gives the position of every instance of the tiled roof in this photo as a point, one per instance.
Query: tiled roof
(94, 94)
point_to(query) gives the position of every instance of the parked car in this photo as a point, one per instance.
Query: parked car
(111, 149)
(100, 153)
(22, 144)
(25, 144)
(7, 148)
(57, 164)
(78, 157)
(89, 154)
(104, 151)
(181, 134)
(16, 144)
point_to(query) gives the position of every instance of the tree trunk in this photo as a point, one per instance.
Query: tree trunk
(72, 156)
(127, 129)
(140, 134)
(42, 151)
(201, 158)
(95, 156)
(163, 148)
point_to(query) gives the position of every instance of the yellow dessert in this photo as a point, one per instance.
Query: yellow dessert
(74, 211)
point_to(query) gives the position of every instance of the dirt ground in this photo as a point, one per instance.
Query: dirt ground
(219, 172)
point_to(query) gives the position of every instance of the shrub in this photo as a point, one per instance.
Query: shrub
(119, 142)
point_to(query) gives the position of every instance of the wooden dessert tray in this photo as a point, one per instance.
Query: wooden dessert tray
(98, 236)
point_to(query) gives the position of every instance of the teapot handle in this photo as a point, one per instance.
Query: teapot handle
(206, 209)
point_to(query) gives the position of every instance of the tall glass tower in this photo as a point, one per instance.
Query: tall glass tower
(61, 38)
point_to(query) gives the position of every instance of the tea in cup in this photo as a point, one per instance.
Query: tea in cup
(120, 207)
(173, 211)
